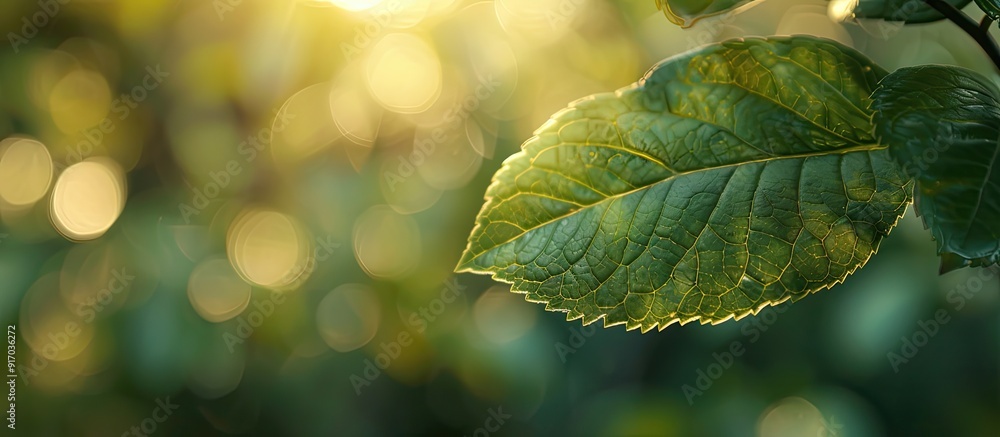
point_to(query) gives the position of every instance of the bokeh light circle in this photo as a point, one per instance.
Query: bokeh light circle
(79, 100)
(386, 243)
(87, 199)
(25, 171)
(216, 291)
(49, 327)
(404, 73)
(502, 316)
(791, 417)
(348, 317)
(269, 249)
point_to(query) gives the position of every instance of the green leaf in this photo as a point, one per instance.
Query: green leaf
(729, 178)
(908, 11)
(686, 12)
(943, 126)
(990, 7)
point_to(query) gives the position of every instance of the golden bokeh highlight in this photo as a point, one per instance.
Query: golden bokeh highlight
(537, 21)
(841, 10)
(95, 55)
(269, 249)
(404, 73)
(348, 317)
(356, 115)
(87, 199)
(79, 100)
(483, 142)
(304, 125)
(95, 279)
(48, 69)
(406, 196)
(356, 5)
(501, 316)
(453, 165)
(386, 243)
(216, 291)
(791, 417)
(52, 330)
(25, 172)
(813, 20)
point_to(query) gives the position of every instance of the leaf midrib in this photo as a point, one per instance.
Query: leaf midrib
(465, 264)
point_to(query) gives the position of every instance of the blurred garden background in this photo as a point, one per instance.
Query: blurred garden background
(227, 217)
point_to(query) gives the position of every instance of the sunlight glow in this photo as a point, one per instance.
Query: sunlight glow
(87, 199)
(268, 248)
(404, 73)
(842, 10)
(25, 171)
(355, 5)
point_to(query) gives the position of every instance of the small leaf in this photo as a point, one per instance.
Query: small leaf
(990, 7)
(737, 176)
(943, 126)
(685, 13)
(908, 11)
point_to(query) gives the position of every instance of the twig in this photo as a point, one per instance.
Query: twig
(976, 30)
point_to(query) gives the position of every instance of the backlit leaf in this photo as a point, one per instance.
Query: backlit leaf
(729, 178)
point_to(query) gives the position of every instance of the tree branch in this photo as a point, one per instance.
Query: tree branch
(986, 23)
(975, 30)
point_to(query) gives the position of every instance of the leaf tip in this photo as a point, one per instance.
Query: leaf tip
(463, 267)
(951, 262)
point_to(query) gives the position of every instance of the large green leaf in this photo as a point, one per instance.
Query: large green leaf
(685, 12)
(909, 11)
(943, 125)
(729, 178)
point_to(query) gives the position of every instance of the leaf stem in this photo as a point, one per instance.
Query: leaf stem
(978, 31)
(986, 23)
